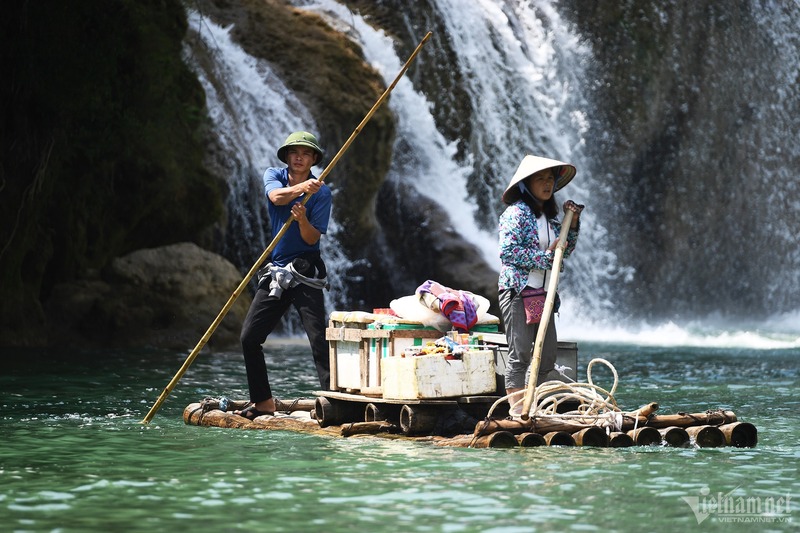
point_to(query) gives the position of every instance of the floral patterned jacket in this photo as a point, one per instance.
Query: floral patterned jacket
(519, 246)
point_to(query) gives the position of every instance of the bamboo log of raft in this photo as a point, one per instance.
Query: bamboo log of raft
(684, 420)
(532, 425)
(330, 412)
(647, 409)
(375, 412)
(740, 434)
(197, 415)
(618, 439)
(547, 424)
(591, 436)
(645, 436)
(498, 439)
(368, 428)
(706, 436)
(675, 436)
(559, 438)
(418, 420)
(300, 404)
(530, 440)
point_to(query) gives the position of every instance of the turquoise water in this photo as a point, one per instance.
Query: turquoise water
(75, 457)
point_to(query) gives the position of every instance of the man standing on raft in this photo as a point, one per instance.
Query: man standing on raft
(528, 237)
(296, 274)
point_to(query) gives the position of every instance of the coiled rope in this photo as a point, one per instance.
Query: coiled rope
(596, 405)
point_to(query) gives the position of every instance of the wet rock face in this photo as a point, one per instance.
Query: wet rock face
(163, 297)
(329, 75)
(100, 152)
(689, 127)
(393, 240)
(82, 289)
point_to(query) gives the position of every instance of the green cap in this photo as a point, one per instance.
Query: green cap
(300, 138)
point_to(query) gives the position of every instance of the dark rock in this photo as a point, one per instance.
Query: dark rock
(163, 297)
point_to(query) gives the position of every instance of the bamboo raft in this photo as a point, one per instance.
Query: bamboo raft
(348, 415)
(385, 383)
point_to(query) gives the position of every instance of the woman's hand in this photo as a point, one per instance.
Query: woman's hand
(569, 205)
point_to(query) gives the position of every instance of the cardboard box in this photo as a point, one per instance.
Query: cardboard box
(434, 376)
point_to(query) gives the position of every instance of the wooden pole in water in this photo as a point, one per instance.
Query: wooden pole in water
(207, 335)
(549, 302)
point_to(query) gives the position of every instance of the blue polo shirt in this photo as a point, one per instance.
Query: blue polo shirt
(318, 212)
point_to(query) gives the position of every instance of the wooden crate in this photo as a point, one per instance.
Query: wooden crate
(355, 353)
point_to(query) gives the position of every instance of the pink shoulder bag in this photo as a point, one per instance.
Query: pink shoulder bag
(533, 299)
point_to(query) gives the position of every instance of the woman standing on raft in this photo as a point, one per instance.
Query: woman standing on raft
(528, 237)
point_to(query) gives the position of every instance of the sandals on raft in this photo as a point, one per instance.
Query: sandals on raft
(251, 413)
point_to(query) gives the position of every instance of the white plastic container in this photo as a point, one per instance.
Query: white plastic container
(434, 376)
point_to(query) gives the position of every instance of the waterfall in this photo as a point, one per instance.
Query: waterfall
(524, 71)
(525, 90)
(694, 125)
(252, 112)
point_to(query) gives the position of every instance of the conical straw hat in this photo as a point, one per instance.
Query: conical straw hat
(532, 164)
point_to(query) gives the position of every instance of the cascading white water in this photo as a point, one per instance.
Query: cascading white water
(522, 69)
(525, 92)
(252, 113)
(524, 89)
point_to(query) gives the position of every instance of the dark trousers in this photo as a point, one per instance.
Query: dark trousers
(264, 315)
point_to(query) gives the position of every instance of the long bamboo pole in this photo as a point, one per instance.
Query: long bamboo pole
(549, 302)
(204, 339)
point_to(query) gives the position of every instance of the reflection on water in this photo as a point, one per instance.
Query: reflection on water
(75, 456)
